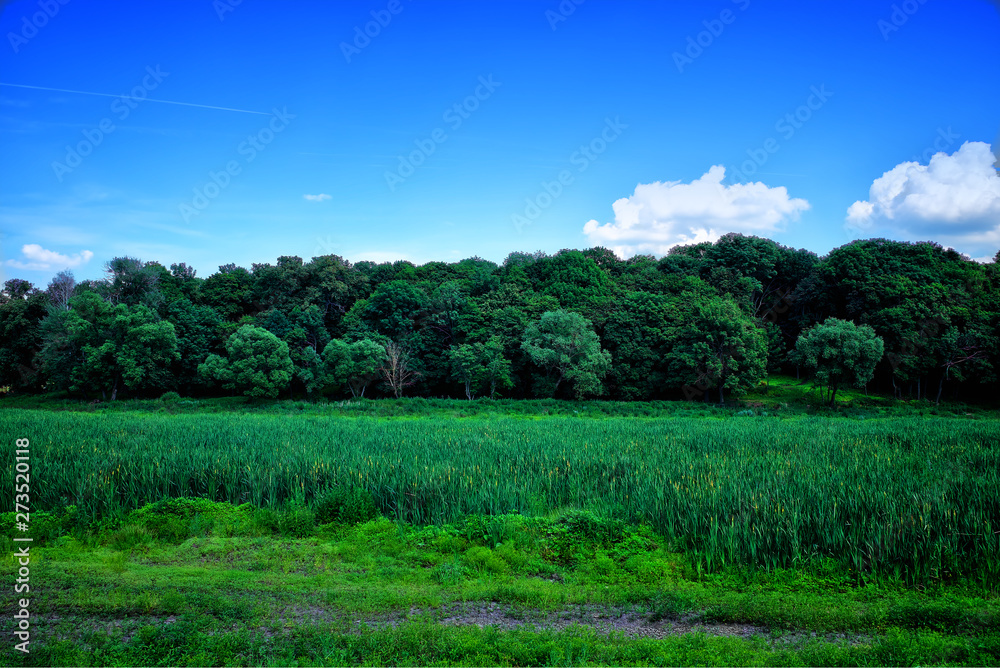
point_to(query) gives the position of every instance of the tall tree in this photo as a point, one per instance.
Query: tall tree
(565, 345)
(22, 309)
(355, 365)
(131, 281)
(716, 344)
(839, 352)
(197, 328)
(397, 369)
(480, 365)
(637, 335)
(109, 348)
(61, 289)
(257, 363)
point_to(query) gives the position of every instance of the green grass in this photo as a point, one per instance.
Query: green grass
(182, 532)
(914, 498)
(784, 396)
(231, 591)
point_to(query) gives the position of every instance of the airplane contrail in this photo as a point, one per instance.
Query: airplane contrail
(148, 99)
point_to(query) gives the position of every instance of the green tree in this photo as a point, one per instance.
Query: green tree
(138, 353)
(839, 352)
(480, 365)
(197, 337)
(131, 281)
(257, 363)
(97, 346)
(353, 364)
(22, 310)
(716, 344)
(228, 291)
(496, 368)
(565, 345)
(466, 368)
(637, 336)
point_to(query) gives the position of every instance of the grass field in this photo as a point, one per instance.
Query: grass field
(760, 526)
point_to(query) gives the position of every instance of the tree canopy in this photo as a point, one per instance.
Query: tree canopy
(706, 321)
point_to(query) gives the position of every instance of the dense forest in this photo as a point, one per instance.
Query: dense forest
(705, 322)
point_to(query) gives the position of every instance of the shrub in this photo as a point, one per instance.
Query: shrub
(170, 398)
(346, 505)
(298, 521)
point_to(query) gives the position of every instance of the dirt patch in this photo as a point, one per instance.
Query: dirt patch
(603, 619)
(630, 621)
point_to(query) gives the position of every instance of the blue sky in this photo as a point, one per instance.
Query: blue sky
(598, 123)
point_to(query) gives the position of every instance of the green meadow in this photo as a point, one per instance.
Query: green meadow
(172, 534)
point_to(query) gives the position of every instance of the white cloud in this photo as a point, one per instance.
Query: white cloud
(659, 215)
(38, 258)
(317, 198)
(954, 200)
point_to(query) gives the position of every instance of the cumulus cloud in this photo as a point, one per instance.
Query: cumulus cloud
(38, 258)
(660, 215)
(317, 198)
(955, 199)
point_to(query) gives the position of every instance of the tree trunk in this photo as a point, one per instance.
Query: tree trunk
(833, 395)
(722, 401)
(940, 387)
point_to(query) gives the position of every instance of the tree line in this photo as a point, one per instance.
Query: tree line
(703, 322)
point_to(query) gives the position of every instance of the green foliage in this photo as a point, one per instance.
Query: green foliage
(257, 363)
(355, 364)
(913, 497)
(638, 336)
(840, 353)
(578, 534)
(170, 398)
(565, 345)
(661, 320)
(22, 310)
(715, 344)
(197, 328)
(346, 505)
(96, 345)
(297, 521)
(177, 519)
(481, 366)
